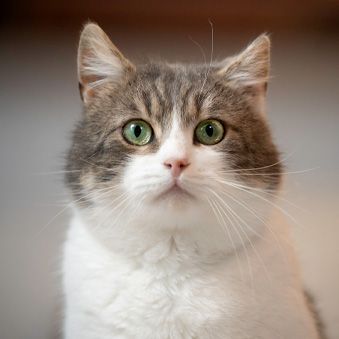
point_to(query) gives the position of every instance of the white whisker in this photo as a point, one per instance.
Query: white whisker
(70, 204)
(263, 199)
(282, 160)
(252, 211)
(200, 48)
(224, 228)
(271, 193)
(211, 57)
(250, 270)
(273, 173)
(237, 217)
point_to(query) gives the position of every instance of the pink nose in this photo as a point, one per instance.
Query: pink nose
(176, 166)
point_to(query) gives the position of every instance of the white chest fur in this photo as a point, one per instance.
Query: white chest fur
(169, 293)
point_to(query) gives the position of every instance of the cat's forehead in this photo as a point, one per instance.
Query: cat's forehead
(191, 93)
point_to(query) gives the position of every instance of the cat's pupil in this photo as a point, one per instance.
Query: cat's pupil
(209, 130)
(137, 131)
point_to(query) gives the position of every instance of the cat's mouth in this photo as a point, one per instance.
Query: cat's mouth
(174, 191)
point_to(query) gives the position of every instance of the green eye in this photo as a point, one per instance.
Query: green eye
(137, 132)
(209, 132)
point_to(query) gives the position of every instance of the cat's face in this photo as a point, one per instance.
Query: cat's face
(170, 140)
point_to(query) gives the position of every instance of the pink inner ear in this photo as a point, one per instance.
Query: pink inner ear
(86, 91)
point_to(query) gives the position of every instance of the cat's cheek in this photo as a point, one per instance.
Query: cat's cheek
(209, 160)
(143, 175)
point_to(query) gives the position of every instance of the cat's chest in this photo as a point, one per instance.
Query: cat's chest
(154, 298)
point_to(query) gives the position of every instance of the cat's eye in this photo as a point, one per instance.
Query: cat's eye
(137, 132)
(209, 132)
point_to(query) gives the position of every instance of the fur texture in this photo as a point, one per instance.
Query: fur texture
(200, 255)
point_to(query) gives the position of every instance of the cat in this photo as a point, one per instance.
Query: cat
(175, 179)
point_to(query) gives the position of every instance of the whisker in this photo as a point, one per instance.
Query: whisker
(250, 270)
(224, 228)
(123, 198)
(265, 191)
(251, 229)
(55, 172)
(252, 211)
(266, 200)
(211, 56)
(69, 205)
(263, 167)
(237, 217)
(200, 48)
(273, 173)
(98, 166)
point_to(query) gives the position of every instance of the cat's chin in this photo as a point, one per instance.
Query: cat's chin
(174, 195)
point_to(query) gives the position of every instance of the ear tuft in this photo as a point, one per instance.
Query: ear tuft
(99, 61)
(250, 67)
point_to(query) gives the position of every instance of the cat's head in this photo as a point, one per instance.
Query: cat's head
(171, 142)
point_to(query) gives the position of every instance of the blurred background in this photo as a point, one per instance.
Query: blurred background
(40, 104)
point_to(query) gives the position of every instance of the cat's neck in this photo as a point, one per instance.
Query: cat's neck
(156, 245)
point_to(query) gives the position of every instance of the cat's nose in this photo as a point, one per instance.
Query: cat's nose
(176, 166)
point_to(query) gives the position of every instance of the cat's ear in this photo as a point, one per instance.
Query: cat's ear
(251, 67)
(99, 61)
